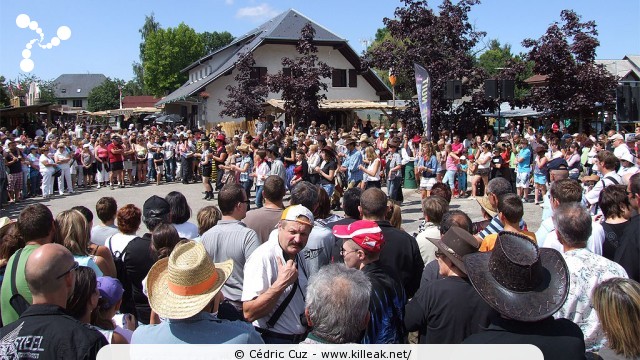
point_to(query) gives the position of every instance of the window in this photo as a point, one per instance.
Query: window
(77, 103)
(64, 91)
(78, 90)
(62, 102)
(339, 78)
(259, 73)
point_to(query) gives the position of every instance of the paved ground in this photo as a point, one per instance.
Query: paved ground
(411, 209)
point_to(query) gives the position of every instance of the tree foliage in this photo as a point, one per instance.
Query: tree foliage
(106, 95)
(499, 63)
(213, 41)
(566, 54)
(246, 98)
(443, 43)
(301, 87)
(4, 93)
(166, 53)
(20, 87)
(150, 26)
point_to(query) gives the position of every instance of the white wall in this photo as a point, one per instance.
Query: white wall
(270, 56)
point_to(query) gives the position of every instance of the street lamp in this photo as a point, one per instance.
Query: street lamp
(392, 81)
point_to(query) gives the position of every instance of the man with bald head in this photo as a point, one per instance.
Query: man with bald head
(44, 330)
(36, 226)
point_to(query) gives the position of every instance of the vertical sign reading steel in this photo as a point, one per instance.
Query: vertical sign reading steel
(423, 85)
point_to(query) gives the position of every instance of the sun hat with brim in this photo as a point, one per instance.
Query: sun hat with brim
(244, 148)
(350, 141)
(364, 138)
(455, 244)
(486, 205)
(4, 221)
(616, 137)
(416, 138)
(519, 280)
(181, 285)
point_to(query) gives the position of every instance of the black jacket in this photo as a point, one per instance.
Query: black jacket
(138, 262)
(46, 332)
(401, 253)
(558, 339)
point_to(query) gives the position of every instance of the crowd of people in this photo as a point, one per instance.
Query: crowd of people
(300, 273)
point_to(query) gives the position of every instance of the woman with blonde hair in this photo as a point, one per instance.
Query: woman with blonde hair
(314, 160)
(617, 303)
(372, 171)
(75, 234)
(428, 169)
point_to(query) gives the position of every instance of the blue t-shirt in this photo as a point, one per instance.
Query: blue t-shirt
(524, 165)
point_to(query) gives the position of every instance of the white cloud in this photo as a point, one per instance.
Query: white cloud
(228, 2)
(257, 13)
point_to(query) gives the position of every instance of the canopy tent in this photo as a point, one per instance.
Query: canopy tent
(168, 119)
(329, 105)
(126, 112)
(507, 112)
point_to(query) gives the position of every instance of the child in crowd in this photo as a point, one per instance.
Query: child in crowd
(158, 162)
(461, 177)
(510, 212)
(117, 328)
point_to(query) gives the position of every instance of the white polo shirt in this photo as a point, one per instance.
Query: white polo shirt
(261, 271)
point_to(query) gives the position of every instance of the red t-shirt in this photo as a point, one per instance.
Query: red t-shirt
(114, 157)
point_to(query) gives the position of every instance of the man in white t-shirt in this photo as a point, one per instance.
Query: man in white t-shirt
(274, 295)
(619, 147)
(567, 191)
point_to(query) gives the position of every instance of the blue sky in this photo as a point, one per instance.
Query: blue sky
(104, 35)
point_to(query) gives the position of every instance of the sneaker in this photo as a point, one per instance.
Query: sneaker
(111, 187)
(98, 187)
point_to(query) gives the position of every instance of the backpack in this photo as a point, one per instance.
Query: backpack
(128, 306)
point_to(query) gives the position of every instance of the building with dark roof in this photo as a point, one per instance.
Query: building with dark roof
(269, 43)
(73, 89)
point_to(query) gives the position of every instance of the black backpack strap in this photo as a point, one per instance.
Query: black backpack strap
(14, 270)
(278, 313)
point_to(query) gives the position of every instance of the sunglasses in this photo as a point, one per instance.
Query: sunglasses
(72, 268)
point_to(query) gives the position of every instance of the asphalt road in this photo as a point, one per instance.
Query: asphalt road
(411, 208)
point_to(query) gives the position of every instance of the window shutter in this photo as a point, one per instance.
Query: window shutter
(286, 72)
(335, 77)
(353, 78)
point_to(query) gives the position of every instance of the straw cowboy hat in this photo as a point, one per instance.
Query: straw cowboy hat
(181, 285)
(518, 279)
(486, 205)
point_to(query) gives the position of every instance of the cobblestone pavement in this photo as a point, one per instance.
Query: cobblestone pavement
(411, 208)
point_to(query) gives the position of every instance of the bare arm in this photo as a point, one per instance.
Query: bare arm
(264, 303)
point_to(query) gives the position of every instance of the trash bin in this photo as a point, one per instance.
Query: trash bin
(410, 176)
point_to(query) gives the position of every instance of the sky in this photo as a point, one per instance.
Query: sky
(102, 36)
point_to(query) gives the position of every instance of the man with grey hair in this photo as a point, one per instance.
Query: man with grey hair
(496, 188)
(586, 270)
(337, 305)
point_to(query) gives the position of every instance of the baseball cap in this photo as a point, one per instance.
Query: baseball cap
(616, 137)
(155, 206)
(110, 290)
(366, 233)
(295, 212)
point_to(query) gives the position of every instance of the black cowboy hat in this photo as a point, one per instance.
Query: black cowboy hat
(518, 279)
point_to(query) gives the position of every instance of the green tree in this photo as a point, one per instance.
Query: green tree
(166, 53)
(4, 93)
(20, 87)
(213, 41)
(150, 26)
(499, 63)
(105, 96)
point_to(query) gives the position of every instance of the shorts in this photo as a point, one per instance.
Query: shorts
(540, 179)
(483, 172)
(522, 179)
(14, 182)
(128, 165)
(427, 183)
(160, 169)
(118, 165)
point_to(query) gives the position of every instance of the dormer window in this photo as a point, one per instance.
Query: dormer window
(78, 90)
(64, 91)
